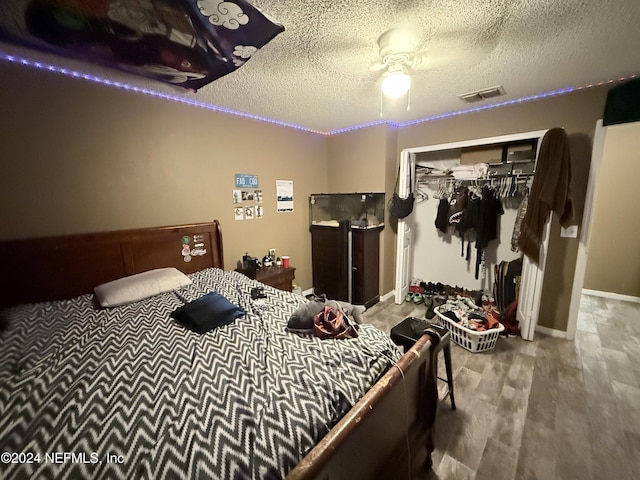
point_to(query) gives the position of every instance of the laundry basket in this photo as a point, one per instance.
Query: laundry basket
(470, 339)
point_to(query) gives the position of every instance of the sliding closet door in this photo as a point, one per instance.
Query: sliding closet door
(531, 289)
(531, 282)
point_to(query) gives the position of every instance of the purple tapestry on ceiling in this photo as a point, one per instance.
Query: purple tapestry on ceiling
(188, 43)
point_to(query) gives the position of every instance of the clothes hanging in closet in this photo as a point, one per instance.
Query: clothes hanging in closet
(481, 215)
(550, 192)
(487, 229)
(522, 210)
(441, 217)
(469, 221)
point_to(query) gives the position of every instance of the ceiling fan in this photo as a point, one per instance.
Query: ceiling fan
(403, 52)
(399, 54)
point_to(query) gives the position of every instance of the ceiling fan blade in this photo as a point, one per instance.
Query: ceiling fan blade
(430, 60)
(377, 66)
(452, 53)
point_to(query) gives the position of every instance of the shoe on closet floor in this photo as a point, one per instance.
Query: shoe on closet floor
(428, 300)
(512, 329)
(436, 301)
(508, 319)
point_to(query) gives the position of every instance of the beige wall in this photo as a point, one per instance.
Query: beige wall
(614, 258)
(577, 112)
(355, 160)
(80, 157)
(360, 161)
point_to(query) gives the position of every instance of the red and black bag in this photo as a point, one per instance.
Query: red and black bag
(333, 323)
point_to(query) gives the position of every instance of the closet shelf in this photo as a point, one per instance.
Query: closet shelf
(429, 178)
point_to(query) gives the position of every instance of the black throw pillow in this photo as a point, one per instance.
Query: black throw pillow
(206, 313)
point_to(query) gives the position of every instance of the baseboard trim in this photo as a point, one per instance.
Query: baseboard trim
(614, 296)
(383, 298)
(552, 332)
(387, 296)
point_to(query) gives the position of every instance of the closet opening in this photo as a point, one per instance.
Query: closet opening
(495, 172)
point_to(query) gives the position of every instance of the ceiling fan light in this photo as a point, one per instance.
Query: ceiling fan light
(395, 84)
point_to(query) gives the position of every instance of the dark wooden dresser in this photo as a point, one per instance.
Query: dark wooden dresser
(339, 270)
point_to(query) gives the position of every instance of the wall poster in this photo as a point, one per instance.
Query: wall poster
(284, 192)
(247, 199)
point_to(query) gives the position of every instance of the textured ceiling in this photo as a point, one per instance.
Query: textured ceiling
(316, 74)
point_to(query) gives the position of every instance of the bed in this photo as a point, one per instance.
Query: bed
(127, 392)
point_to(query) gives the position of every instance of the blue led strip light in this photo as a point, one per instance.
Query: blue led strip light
(146, 91)
(196, 103)
(529, 98)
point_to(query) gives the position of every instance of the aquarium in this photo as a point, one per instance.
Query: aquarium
(362, 210)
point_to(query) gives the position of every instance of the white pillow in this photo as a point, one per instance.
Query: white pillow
(142, 285)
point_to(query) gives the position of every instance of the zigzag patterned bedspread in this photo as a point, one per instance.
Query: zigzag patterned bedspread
(129, 393)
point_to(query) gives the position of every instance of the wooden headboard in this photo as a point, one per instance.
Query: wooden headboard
(55, 268)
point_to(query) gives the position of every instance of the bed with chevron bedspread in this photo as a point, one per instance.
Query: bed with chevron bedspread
(127, 392)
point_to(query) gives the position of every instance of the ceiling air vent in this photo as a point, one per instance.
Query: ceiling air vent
(483, 94)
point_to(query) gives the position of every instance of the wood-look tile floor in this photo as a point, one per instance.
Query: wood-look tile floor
(547, 409)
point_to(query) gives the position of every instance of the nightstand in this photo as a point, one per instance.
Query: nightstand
(278, 277)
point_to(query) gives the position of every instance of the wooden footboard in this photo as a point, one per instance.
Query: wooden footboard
(388, 433)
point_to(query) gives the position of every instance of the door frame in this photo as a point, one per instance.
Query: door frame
(405, 226)
(585, 230)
